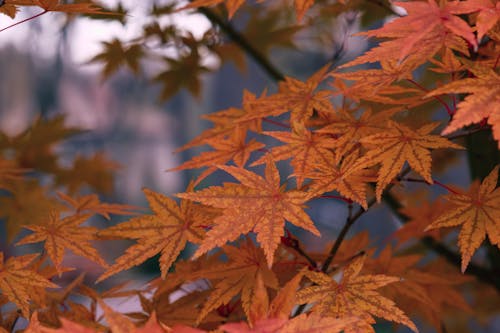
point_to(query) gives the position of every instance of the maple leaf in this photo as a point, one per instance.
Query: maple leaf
(303, 323)
(265, 29)
(478, 211)
(349, 128)
(419, 217)
(95, 171)
(374, 79)
(417, 36)
(115, 55)
(61, 234)
(27, 204)
(9, 171)
(353, 295)
(483, 101)
(167, 231)
(258, 204)
(8, 9)
(181, 72)
(303, 146)
(83, 7)
(17, 280)
(393, 147)
(330, 175)
(90, 203)
(419, 291)
(297, 97)
(226, 122)
(488, 16)
(233, 148)
(239, 275)
(33, 148)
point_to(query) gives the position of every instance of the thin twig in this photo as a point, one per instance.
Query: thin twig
(25, 20)
(439, 99)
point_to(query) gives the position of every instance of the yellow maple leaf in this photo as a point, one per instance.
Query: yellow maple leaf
(483, 101)
(478, 211)
(167, 231)
(17, 281)
(397, 145)
(61, 234)
(257, 204)
(353, 295)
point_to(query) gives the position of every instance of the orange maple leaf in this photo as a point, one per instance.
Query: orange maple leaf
(483, 101)
(61, 234)
(419, 291)
(304, 323)
(488, 16)
(300, 98)
(349, 128)
(226, 122)
(420, 34)
(17, 280)
(303, 146)
(353, 295)
(419, 217)
(330, 175)
(87, 7)
(393, 147)
(9, 171)
(257, 204)
(478, 211)
(91, 204)
(167, 231)
(239, 275)
(233, 148)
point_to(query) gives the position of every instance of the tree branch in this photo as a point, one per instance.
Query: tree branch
(239, 39)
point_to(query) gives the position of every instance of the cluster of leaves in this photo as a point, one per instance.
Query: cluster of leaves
(355, 136)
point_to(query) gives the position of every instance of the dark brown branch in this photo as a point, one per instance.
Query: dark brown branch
(239, 39)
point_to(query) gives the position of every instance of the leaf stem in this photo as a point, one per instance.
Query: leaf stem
(437, 182)
(439, 99)
(276, 123)
(25, 20)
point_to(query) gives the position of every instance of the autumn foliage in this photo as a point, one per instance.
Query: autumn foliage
(379, 130)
